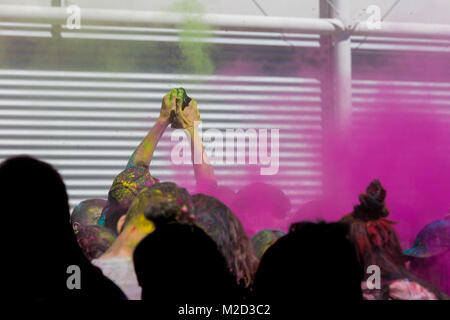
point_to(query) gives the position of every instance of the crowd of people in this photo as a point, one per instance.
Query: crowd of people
(157, 242)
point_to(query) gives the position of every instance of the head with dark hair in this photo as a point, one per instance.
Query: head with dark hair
(45, 238)
(222, 225)
(94, 240)
(263, 239)
(374, 236)
(310, 261)
(111, 214)
(178, 264)
(372, 205)
(160, 203)
(87, 213)
(124, 189)
(376, 240)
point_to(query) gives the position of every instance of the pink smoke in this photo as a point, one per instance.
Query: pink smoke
(408, 152)
(404, 143)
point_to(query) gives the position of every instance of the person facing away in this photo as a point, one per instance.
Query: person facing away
(312, 262)
(136, 176)
(94, 240)
(159, 199)
(180, 264)
(224, 227)
(377, 244)
(87, 213)
(110, 214)
(430, 255)
(44, 260)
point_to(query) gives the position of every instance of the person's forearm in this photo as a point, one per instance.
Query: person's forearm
(204, 172)
(144, 152)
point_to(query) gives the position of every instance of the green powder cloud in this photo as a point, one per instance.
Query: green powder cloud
(193, 45)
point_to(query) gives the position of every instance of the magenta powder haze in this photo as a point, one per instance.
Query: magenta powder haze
(403, 141)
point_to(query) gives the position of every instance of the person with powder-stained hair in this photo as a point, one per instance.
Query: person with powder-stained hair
(224, 227)
(94, 240)
(87, 213)
(136, 176)
(377, 243)
(157, 201)
(124, 211)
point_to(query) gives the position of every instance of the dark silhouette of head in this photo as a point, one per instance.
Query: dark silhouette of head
(178, 264)
(312, 262)
(222, 225)
(43, 246)
(87, 212)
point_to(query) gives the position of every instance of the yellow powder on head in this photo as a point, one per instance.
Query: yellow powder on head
(139, 205)
(144, 225)
(140, 228)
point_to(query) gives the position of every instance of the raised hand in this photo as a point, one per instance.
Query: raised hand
(168, 105)
(187, 118)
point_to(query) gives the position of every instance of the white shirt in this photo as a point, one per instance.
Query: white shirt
(121, 272)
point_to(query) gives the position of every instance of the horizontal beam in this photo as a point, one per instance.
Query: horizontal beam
(134, 18)
(404, 30)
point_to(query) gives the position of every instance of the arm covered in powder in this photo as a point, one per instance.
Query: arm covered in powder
(189, 119)
(143, 154)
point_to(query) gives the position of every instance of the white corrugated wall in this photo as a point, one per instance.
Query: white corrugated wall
(87, 123)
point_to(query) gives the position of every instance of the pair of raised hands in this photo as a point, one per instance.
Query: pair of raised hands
(179, 116)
